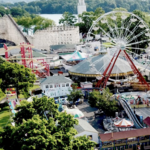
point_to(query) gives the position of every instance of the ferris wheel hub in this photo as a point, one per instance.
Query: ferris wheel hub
(121, 44)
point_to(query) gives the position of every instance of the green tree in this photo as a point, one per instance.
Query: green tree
(68, 19)
(36, 132)
(82, 142)
(87, 20)
(143, 37)
(18, 11)
(99, 11)
(40, 106)
(75, 95)
(42, 23)
(59, 6)
(24, 21)
(120, 9)
(38, 22)
(15, 75)
(103, 101)
(3, 11)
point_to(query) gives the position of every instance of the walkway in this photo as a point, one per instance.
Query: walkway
(89, 114)
(145, 112)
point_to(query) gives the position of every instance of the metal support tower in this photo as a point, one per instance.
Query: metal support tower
(103, 81)
(6, 52)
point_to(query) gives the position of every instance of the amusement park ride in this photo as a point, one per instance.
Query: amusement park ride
(41, 69)
(123, 38)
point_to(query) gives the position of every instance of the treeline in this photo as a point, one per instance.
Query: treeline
(60, 6)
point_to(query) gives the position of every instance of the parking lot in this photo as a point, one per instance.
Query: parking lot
(89, 114)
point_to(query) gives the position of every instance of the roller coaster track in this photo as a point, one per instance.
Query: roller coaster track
(130, 113)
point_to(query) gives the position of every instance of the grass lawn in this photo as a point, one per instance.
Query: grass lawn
(21, 96)
(107, 44)
(4, 117)
(34, 87)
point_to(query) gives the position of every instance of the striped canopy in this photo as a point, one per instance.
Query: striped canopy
(76, 56)
(123, 123)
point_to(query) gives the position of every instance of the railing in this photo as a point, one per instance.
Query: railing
(123, 144)
(130, 113)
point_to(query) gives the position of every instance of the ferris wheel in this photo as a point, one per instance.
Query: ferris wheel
(126, 33)
(122, 29)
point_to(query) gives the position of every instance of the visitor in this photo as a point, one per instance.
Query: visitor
(139, 100)
(138, 146)
(134, 111)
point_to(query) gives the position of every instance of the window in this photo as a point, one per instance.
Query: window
(47, 86)
(67, 84)
(90, 137)
(63, 85)
(51, 86)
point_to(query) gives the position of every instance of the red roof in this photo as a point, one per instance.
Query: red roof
(124, 134)
(147, 121)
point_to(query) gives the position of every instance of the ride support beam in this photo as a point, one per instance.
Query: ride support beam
(106, 76)
(104, 73)
(6, 52)
(136, 71)
(23, 56)
(109, 73)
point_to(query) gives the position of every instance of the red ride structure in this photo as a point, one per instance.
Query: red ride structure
(103, 81)
(28, 60)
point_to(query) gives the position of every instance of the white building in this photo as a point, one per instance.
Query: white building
(84, 128)
(86, 84)
(81, 8)
(56, 86)
(58, 35)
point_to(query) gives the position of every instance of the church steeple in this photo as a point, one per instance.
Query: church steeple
(81, 8)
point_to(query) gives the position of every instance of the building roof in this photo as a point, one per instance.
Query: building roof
(36, 52)
(55, 79)
(124, 134)
(147, 121)
(55, 71)
(84, 126)
(75, 56)
(35, 55)
(98, 64)
(57, 47)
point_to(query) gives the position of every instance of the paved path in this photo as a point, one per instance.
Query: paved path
(145, 112)
(4, 100)
(89, 114)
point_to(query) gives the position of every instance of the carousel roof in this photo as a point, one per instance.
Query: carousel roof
(95, 66)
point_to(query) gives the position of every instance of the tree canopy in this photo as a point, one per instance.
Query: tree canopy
(38, 107)
(55, 132)
(68, 19)
(17, 76)
(59, 6)
(35, 21)
(103, 101)
(74, 95)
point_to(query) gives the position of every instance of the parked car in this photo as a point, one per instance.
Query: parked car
(79, 101)
(63, 100)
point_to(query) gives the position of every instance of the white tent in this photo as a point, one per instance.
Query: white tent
(75, 56)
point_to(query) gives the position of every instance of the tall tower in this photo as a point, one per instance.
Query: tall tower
(81, 8)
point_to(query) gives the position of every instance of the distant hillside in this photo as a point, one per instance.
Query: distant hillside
(15, 1)
(60, 6)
